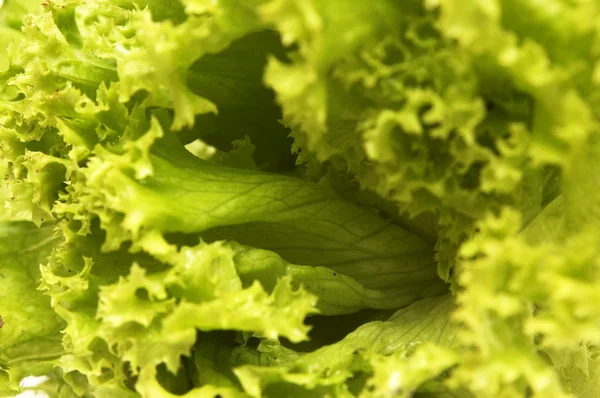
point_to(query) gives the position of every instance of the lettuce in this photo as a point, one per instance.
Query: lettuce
(300, 198)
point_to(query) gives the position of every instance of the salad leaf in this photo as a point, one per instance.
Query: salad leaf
(29, 336)
(300, 198)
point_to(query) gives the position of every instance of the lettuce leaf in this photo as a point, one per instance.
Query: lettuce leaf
(299, 198)
(29, 336)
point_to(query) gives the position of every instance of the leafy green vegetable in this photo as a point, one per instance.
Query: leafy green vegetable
(300, 198)
(30, 329)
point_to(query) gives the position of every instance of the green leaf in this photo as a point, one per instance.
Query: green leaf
(314, 225)
(30, 339)
(242, 191)
(11, 21)
(525, 298)
(337, 293)
(374, 350)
